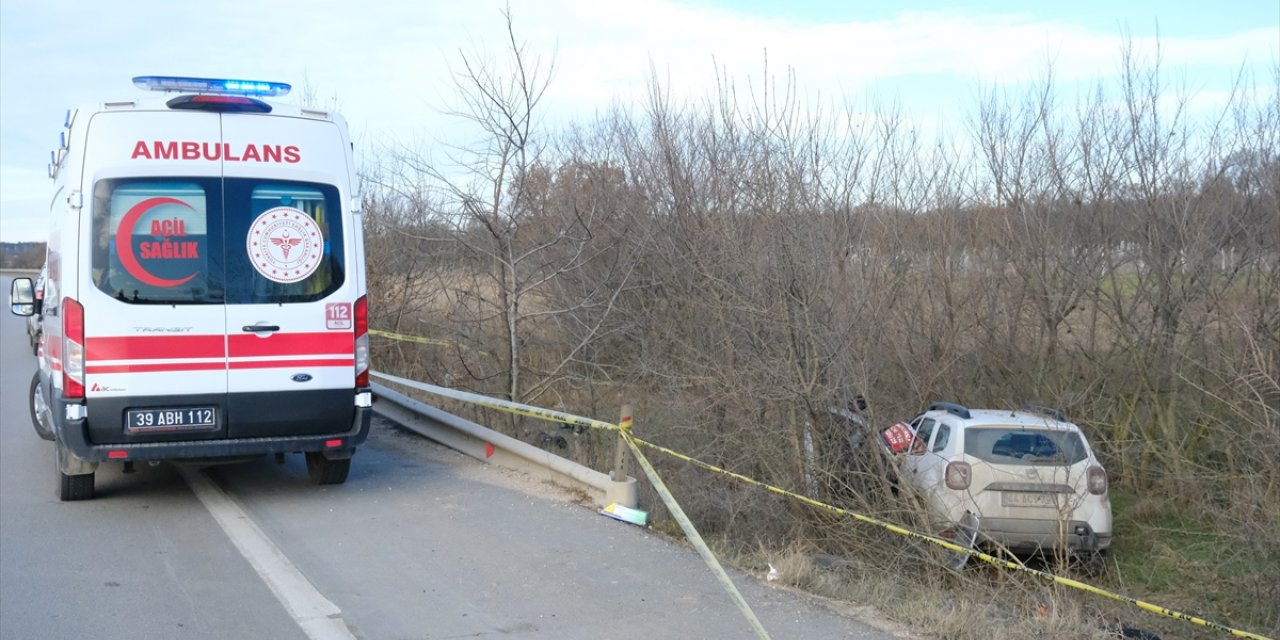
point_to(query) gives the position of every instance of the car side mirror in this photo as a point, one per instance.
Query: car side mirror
(22, 297)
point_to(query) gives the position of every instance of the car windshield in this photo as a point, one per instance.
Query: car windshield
(1014, 445)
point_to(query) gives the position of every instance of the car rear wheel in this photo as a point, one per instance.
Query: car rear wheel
(325, 471)
(39, 409)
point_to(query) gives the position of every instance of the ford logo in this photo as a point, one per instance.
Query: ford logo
(301, 377)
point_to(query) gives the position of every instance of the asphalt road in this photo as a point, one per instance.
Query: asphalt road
(421, 542)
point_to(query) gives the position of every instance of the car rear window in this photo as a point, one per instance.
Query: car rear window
(1011, 445)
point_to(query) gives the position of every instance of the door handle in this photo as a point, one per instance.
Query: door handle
(261, 327)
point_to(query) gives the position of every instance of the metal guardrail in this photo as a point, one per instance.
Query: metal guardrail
(492, 447)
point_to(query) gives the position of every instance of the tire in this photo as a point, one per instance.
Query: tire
(36, 405)
(72, 488)
(325, 471)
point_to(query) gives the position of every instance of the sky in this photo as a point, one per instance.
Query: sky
(388, 64)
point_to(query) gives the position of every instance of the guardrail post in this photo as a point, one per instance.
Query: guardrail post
(622, 489)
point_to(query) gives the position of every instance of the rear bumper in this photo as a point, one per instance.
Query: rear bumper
(1027, 535)
(74, 436)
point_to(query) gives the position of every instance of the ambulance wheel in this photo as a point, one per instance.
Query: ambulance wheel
(71, 488)
(39, 409)
(325, 471)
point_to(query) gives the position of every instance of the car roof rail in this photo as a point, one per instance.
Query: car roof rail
(1049, 412)
(951, 408)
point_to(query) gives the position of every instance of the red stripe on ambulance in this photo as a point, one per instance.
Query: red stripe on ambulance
(156, 347)
(292, 363)
(292, 344)
(151, 354)
(157, 367)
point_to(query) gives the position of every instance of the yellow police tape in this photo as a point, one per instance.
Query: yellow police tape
(691, 533)
(404, 338)
(634, 443)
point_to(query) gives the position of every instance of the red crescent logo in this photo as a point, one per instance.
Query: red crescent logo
(124, 243)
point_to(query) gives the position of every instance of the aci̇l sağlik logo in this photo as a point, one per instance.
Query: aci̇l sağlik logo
(163, 257)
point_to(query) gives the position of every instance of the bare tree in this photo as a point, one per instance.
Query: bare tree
(533, 231)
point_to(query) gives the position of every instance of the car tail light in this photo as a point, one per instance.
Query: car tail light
(72, 349)
(958, 475)
(362, 342)
(1097, 480)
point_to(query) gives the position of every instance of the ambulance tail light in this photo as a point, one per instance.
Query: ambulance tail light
(73, 349)
(362, 342)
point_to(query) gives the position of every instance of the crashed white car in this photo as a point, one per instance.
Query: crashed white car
(1029, 477)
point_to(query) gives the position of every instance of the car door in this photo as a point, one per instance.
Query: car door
(932, 462)
(914, 462)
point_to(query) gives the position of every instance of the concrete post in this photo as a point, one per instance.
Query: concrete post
(622, 489)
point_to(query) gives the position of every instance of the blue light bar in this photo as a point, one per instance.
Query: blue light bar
(212, 85)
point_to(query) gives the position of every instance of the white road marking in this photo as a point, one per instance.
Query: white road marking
(319, 618)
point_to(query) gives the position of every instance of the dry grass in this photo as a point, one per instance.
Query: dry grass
(917, 599)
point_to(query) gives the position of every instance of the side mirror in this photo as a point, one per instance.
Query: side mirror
(22, 297)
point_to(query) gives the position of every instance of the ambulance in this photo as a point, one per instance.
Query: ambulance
(205, 298)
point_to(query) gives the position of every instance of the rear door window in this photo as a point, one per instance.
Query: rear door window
(156, 241)
(941, 438)
(284, 241)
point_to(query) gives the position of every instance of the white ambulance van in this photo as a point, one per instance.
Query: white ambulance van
(205, 297)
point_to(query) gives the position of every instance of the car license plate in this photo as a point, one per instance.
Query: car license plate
(172, 419)
(1029, 499)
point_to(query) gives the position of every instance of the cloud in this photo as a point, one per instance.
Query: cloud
(613, 54)
(390, 63)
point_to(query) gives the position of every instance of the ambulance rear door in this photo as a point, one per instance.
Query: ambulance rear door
(291, 282)
(150, 277)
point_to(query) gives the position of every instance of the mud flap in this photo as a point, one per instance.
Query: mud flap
(70, 464)
(966, 536)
